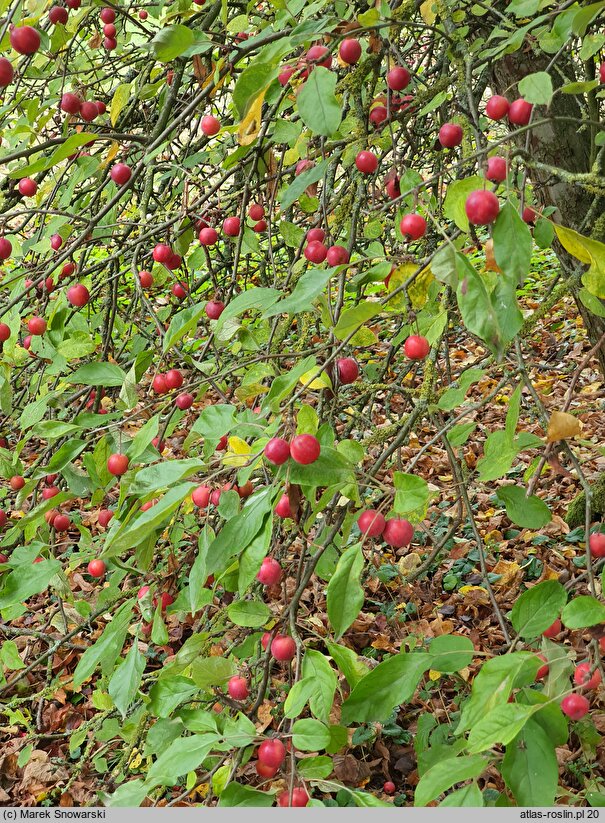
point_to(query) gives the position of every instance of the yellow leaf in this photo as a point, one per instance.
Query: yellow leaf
(318, 380)
(434, 675)
(508, 572)
(248, 129)
(426, 10)
(587, 251)
(561, 426)
(418, 291)
(238, 453)
(113, 152)
(120, 98)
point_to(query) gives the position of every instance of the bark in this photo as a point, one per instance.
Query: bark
(563, 144)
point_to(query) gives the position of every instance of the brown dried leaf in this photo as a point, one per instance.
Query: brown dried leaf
(561, 426)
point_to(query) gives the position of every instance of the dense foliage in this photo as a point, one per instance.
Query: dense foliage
(274, 276)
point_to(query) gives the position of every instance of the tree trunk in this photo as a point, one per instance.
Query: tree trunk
(560, 143)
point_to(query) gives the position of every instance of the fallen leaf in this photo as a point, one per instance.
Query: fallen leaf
(561, 426)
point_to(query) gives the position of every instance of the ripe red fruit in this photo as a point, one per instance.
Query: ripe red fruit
(222, 445)
(16, 482)
(256, 211)
(210, 125)
(319, 55)
(303, 165)
(36, 325)
(263, 770)
(3, 522)
(104, 517)
(201, 496)
(6, 72)
(166, 600)
(146, 279)
(184, 401)
(553, 630)
(27, 341)
(378, 115)
(482, 207)
(371, 523)
(397, 532)
(174, 379)
(315, 252)
(5, 332)
(272, 752)
(27, 187)
(158, 384)
(117, 464)
(450, 135)
(416, 347)
(61, 523)
(497, 107)
(143, 15)
(519, 113)
(350, 51)
(107, 15)
(300, 798)
(58, 14)
(56, 241)
(305, 449)
(162, 253)
(270, 572)
(70, 103)
(582, 676)
(285, 75)
(348, 370)
(366, 162)
(277, 451)
(67, 270)
(389, 787)
(109, 30)
(51, 491)
(214, 309)
(575, 706)
(89, 111)
(283, 508)
(337, 256)
(497, 169)
(121, 174)
(238, 688)
(96, 568)
(78, 295)
(602, 72)
(231, 226)
(543, 670)
(109, 43)
(529, 215)
(25, 40)
(142, 592)
(413, 226)
(315, 235)
(208, 236)
(260, 226)
(179, 290)
(6, 248)
(265, 640)
(596, 544)
(392, 187)
(398, 78)
(283, 648)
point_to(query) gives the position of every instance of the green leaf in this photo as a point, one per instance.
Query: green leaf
(105, 651)
(454, 205)
(412, 496)
(24, 581)
(458, 435)
(468, 797)
(348, 662)
(64, 456)
(98, 374)
(250, 83)
(214, 422)
(165, 474)
(121, 96)
(330, 469)
(249, 613)
(182, 323)
(500, 726)
(390, 684)
(9, 654)
(256, 298)
(345, 594)
(317, 104)
(512, 244)
(237, 795)
(171, 42)
(316, 687)
(351, 319)
(315, 768)
(455, 394)
(168, 693)
(125, 681)
(537, 88)
(182, 756)
(198, 595)
(310, 735)
(538, 608)
(212, 671)
(135, 531)
(494, 683)
(445, 774)
(159, 632)
(291, 194)
(582, 612)
(592, 303)
(529, 767)
(311, 284)
(450, 653)
(528, 512)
